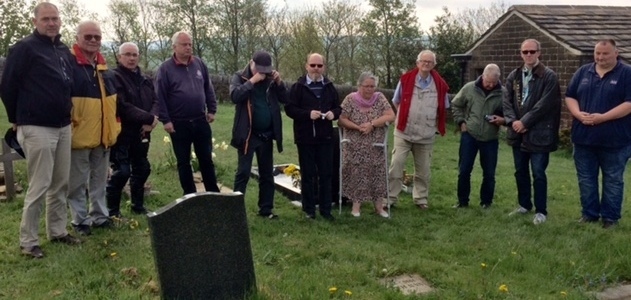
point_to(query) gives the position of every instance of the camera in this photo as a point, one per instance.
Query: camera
(489, 118)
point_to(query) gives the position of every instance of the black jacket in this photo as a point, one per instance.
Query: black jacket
(37, 82)
(240, 91)
(302, 101)
(137, 97)
(541, 114)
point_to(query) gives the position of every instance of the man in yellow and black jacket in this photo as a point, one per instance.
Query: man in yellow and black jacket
(95, 128)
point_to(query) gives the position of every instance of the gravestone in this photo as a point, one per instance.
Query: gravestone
(201, 247)
(408, 284)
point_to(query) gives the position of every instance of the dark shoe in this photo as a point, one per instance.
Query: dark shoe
(460, 205)
(34, 252)
(106, 224)
(609, 224)
(67, 239)
(328, 217)
(82, 229)
(310, 216)
(585, 219)
(485, 205)
(139, 211)
(268, 216)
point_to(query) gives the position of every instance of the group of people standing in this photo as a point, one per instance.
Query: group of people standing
(529, 105)
(75, 119)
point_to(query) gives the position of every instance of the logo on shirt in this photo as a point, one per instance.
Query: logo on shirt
(199, 74)
(614, 82)
(585, 81)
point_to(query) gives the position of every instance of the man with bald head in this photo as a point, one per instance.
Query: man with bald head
(129, 155)
(477, 110)
(313, 105)
(532, 111)
(95, 129)
(35, 88)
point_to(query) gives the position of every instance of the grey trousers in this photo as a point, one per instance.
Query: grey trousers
(88, 171)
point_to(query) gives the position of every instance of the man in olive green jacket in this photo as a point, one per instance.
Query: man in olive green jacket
(477, 110)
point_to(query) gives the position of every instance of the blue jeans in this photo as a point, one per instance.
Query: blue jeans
(198, 133)
(469, 148)
(589, 161)
(316, 163)
(263, 148)
(538, 162)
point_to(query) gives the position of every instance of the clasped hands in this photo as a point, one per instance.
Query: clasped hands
(591, 119)
(316, 114)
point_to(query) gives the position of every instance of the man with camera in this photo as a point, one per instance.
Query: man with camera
(257, 92)
(477, 110)
(313, 105)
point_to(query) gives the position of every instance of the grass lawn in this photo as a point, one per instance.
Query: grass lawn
(301, 259)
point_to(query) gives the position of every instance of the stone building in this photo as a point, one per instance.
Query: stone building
(567, 35)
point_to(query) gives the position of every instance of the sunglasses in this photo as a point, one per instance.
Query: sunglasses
(89, 37)
(316, 65)
(524, 52)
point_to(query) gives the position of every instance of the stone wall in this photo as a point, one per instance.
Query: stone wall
(502, 48)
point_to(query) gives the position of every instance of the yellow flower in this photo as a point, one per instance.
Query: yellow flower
(166, 139)
(193, 155)
(483, 265)
(214, 155)
(563, 293)
(503, 288)
(513, 252)
(289, 169)
(348, 293)
(332, 290)
(213, 140)
(224, 146)
(113, 254)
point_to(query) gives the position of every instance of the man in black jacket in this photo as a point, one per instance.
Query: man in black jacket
(129, 155)
(532, 111)
(35, 89)
(257, 91)
(314, 104)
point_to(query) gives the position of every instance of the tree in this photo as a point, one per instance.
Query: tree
(15, 23)
(393, 38)
(276, 34)
(304, 40)
(480, 19)
(131, 22)
(447, 38)
(71, 15)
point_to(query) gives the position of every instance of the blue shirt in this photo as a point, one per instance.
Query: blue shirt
(599, 95)
(423, 83)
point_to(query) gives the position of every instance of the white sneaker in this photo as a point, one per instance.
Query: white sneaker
(519, 210)
(539, 218)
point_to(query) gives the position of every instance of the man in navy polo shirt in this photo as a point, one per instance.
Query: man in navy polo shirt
(187, 104)
(599, 98)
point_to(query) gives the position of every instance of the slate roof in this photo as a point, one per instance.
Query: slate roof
(578, 27)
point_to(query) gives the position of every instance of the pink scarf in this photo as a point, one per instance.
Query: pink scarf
(365, 103)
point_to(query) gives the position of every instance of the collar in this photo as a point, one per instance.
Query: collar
(309, 80)
(82, 60)
(179, 63)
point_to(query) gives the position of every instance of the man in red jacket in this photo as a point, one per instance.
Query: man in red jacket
(421, 102)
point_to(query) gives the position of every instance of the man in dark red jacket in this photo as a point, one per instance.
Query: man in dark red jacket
(129, 155)
(421, 102)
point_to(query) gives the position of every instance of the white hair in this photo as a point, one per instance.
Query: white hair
(87, 22)
(177, 34)
(367, 75)
(492, 70)
(418, 58)
(125, 44)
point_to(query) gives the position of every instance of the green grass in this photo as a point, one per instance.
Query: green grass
(300, 259)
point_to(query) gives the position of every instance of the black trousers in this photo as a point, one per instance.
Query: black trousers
(316, 167)
(263, 148)
(128, 159)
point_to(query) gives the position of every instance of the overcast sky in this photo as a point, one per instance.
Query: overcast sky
(426, 10)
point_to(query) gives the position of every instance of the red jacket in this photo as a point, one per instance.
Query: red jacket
(408, 81)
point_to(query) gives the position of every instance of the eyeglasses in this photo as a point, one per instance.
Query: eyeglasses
(429, 62)
(316, 65)
(368, 86)
(524, 52)
(129, 54)
(89, 37)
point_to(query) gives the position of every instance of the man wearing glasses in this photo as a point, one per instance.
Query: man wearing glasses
(129, 155)
(421, 101)
(94, 130)
(532, 111)
(35, 89)
(313, 105)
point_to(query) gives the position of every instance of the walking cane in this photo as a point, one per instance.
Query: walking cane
(384, 145)
(342, 142)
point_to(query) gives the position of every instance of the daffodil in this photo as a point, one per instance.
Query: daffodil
(563, 293)
(213, 155)
(348, 293)
(213, 140)
(503, 288)
(113, 254)
(289, 169)
(483, 265)
(166, 139)
(332, 290)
